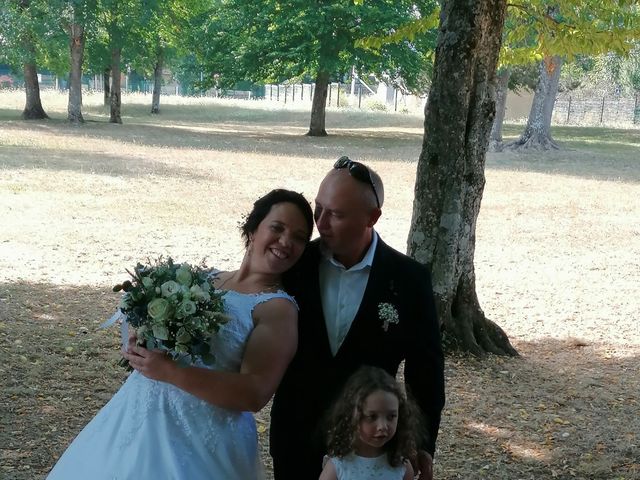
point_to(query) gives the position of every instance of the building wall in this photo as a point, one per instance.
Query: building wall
(518, 106)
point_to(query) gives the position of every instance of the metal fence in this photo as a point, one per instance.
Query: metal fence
(571, 108)
(345, 95)
(596, 110)
(289, 93)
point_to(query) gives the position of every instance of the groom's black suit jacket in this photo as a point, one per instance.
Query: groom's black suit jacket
(315, 377)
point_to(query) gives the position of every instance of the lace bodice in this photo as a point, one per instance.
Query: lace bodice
(229, 344)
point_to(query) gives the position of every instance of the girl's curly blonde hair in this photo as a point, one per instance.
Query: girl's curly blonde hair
(345, 416)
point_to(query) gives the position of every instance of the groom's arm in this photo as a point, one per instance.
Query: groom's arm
(424, 362)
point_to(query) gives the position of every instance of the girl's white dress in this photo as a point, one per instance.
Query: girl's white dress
(353, 467)
(152, 430)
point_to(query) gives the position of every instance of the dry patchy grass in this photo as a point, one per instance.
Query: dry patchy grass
(557, 261)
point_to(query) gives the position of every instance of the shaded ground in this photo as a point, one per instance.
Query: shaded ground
(557, 260)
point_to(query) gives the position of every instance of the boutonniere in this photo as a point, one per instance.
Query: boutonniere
(388, 314)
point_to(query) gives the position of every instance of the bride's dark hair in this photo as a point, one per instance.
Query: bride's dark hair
(262, 207)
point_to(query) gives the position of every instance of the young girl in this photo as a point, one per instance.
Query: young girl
(373, 430)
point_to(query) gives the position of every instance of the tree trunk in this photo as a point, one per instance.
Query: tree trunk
(157, 81)
(33, 106)
(318, 107)
(537, 134)
(76, 45)
(106, 78)
(495, 139)
(115, 86)
(450, 177)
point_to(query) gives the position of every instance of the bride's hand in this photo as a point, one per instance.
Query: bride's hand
(132, 340)
(153, 364)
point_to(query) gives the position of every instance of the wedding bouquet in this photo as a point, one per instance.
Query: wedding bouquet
(173, 307)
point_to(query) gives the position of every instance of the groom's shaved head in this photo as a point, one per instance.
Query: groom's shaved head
(365, 192)
(345, 213)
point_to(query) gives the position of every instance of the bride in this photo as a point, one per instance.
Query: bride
(171, 422)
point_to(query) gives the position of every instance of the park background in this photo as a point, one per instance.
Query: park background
(557, 266)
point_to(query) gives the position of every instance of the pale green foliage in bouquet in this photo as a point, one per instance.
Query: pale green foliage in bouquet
(173, 307)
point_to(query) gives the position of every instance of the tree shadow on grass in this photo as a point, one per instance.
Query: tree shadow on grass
(612, 157)
(222, 138)
(257, 112)
(58, 368)
(586, 152)
(570, 135)
(581, 163)
(90, 162)
(213, 134)
(566, 409)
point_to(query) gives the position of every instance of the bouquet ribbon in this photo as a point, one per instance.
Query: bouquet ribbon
(124, 326)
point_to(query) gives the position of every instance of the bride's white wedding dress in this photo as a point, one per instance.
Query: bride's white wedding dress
(153, 430)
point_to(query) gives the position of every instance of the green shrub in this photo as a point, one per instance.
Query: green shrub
(375, 105)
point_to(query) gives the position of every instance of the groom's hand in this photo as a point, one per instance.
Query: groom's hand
(425, 465)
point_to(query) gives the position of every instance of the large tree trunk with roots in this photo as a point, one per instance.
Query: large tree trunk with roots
(450, 177)
(495, 139)
(106, 78)
(157, 81)
(115, 86)
(318, 106)
(33, 105)
(537, 134)
(76, 45)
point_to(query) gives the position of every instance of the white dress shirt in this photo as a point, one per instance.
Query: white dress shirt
(341, 291)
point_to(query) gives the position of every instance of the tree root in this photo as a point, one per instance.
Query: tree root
(467, 329)
(495, 146)
(76, 119)
(534, 142)
(492, 338)
(35, 113)
(322, 133)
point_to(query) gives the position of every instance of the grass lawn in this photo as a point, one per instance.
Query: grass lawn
(557, 263)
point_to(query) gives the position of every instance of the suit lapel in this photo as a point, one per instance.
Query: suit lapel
(376, 285)
(315, 325)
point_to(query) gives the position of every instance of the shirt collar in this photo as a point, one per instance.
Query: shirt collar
(366, 261)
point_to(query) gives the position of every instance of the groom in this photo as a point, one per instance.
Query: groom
(361, 303)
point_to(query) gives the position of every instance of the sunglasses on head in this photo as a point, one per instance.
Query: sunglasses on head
(358, 171)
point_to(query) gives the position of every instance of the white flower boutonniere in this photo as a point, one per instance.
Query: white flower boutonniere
(388, 314)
